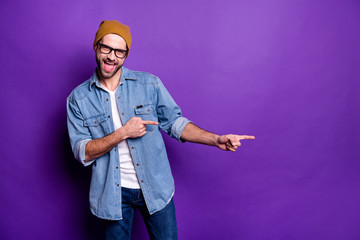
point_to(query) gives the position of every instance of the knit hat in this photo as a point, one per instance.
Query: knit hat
(113, 26)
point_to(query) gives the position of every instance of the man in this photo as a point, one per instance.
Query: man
(114, 123)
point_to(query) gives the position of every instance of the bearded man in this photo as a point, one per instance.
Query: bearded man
(114, 123)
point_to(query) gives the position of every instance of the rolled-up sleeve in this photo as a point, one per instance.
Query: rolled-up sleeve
(170, 118)
(178, 127)
(79, 152)
(79, 134)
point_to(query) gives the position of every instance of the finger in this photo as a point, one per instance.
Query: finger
(140, 132)
(135, 118)
(233, 144)
(234, 140)
(248, 137)
(231, 147)
(149, 122)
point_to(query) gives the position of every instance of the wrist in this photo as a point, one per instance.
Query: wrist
(216, 140)
(122, 133)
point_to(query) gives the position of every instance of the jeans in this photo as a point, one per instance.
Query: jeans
(160, 225)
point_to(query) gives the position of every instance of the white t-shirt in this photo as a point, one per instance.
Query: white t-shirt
(127, 169)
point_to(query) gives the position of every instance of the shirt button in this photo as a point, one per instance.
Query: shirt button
(117, 185)
(132, 147)
(123, 113)
(109, 116)
(117, 167)
(137, 164)
(115, 150)
(107, 99)
(118, 97)
(142, 180)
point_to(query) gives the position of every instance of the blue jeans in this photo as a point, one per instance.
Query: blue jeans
(160, 225)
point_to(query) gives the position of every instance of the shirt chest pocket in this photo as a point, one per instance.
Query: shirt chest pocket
(147, 112)
(144, 109)
(96, 125)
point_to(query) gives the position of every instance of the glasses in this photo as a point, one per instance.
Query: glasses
(120, 53)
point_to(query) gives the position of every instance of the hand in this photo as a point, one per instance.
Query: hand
(136, 127)
(231, 142)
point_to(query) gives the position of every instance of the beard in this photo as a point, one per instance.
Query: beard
(104, 74)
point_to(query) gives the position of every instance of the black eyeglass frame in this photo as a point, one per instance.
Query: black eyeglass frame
(116, 51)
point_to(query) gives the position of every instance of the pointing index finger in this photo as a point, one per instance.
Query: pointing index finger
(146, 122)
(242, 137)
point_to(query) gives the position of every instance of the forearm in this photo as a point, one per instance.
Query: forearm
(98, 147)
(195, 134)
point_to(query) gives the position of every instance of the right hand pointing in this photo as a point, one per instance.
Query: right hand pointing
(136, 127)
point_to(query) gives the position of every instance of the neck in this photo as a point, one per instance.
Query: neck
(110, 83)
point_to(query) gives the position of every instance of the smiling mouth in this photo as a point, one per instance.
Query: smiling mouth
(109, 66)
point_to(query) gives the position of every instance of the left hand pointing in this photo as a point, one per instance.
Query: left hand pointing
(231, 142)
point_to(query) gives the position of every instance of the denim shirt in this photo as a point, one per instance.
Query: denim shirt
(141, 95)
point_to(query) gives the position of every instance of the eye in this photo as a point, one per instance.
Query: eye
(106, 48)
(120, 53)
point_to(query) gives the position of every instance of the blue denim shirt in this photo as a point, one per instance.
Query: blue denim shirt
(141, 95)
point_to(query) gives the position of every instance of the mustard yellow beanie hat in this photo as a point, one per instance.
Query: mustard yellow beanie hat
(113, 26)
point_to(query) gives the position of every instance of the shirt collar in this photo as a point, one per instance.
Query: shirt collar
(126, 74)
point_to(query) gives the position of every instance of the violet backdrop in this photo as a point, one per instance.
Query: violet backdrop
(285, 71)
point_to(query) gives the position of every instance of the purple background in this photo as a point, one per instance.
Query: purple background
(285, 71)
